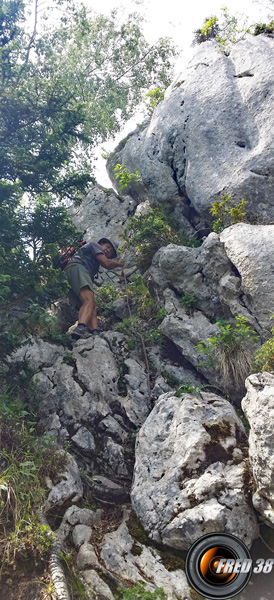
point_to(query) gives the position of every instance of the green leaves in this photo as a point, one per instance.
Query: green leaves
(146, 233)
(125, 178)
(227, 213)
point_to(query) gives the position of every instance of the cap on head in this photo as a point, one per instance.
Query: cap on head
(107, 241)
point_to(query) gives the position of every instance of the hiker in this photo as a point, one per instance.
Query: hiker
(80, 272)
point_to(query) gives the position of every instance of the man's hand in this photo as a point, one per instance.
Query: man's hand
(121, 262)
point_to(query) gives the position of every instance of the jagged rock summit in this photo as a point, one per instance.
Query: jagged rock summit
(212, 134)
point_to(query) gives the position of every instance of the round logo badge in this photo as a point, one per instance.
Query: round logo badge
(218, 565)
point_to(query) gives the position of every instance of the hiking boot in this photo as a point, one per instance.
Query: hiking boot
(95, 331)
(81, 332)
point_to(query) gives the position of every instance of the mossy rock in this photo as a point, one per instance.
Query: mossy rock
(136, 529)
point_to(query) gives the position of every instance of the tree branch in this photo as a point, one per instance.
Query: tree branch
(32, 38)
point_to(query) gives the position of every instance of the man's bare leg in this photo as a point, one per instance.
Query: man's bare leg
(87, 313)
(93, 322)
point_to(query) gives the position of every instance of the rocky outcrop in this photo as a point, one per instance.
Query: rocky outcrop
(258, 406)
(250, 248)
(118, 558)
(229, 275)
(212, 134)
(82, 404)
(191, 471)
(103, 213)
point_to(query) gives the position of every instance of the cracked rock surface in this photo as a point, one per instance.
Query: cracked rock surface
(191, 472)
(81, 400)
(229, 101)
(258, 406)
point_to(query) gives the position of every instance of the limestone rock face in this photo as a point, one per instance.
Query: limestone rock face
(206, 273)
(69, 488)
(250, 248)
(212, 134)
(103, 213)
(132, 560)
(190, 471)
(258, 406)
(227, 276)
(81, 402)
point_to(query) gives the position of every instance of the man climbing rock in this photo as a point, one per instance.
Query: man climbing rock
(80, 272)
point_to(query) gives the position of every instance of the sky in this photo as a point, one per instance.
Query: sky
(177, 19)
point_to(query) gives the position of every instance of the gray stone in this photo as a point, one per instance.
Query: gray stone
(137, 403)
(84, 440)
(69, 488)
(81, 534)
(39, 353)
(86, 557)
(99, 589)
(145, 565)
(119, 308)
(113, 454)
(82, 516)
(250, 248)
(107, 491)
(234, 117)
(190, 471)
(110, 425)
(258, 406)
(103, 213)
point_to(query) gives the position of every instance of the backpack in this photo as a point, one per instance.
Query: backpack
(60, 261)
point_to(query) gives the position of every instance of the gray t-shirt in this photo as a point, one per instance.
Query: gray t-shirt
(87, 257)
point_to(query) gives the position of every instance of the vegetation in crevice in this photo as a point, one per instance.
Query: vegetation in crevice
(229, 353)
(139, 592)
(227, 212)
(226, 31)
(264, 356)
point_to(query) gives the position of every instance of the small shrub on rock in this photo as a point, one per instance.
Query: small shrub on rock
(229, 351)
(124, 177)
(139, 592)
(264, 28)
(264, 357)
(227, 213)
(146, 233)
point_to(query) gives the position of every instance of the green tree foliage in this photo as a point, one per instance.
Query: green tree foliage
(264, 28)
(62, 92)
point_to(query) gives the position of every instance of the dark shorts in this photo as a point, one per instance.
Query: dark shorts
(78, 277)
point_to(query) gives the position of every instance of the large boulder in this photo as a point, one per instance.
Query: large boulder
(212, 134)
(191, 472)
(80, 400)
(103, 213)
(258, 406)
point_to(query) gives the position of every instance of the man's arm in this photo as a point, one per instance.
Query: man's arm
(108, 263)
